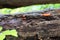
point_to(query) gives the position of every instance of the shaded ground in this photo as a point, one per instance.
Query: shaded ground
(19, 3)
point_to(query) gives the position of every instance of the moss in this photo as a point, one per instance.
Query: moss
(29, 8)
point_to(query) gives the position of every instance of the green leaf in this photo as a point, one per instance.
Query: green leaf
(10, 32)
(7, 32)
(2, 36)
(1, 28)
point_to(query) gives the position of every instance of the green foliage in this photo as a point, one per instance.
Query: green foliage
(7, 32)
(29, 8)
(1, 28)
(5, 11)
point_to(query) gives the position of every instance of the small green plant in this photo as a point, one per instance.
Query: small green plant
(7, 32)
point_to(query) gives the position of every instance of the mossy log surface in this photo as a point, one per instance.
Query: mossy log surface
(31, 25)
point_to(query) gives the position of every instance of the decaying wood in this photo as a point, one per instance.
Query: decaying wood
(29, 25)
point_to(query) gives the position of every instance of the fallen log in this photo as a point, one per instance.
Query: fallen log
(31, 24)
